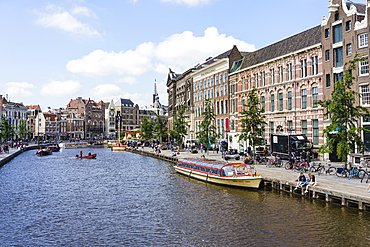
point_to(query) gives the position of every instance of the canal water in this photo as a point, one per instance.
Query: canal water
(125, 199)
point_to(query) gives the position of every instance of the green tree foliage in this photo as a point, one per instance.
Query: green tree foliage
(7, 129)
(146, 128)
(22, 129)
(343, 134)
(207, 130)
(180, 126)
(160, 128)
(252, 120)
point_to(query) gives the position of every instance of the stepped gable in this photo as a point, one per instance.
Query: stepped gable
(294, 43)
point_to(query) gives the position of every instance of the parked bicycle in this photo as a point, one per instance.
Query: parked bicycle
(353, 171)
(317, 168)
(331, 170)
(365, 177)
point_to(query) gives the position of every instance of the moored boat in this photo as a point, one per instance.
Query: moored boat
(43, 152)
(218, 172)
(119, 148)
(54, 147)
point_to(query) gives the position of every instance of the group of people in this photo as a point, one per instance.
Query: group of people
(303, 181)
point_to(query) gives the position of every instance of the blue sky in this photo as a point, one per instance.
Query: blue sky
(54, 51)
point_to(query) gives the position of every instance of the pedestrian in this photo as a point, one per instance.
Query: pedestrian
(303, 156)
(249, 151)
(311, 181)
(201, 148)
(217, 149)
(242, 151)
(308, 158)
(301, 181)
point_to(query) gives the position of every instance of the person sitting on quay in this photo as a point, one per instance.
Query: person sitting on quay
(311, 181)
(301, 181)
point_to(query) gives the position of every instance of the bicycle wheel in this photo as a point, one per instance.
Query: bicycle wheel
(321, 170)
(364, 176)
(313, 169)
(332, 170)
(288, 166)
(361, 174)
(344, 173)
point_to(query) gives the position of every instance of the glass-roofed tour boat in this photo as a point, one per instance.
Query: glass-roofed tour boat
(218, 172)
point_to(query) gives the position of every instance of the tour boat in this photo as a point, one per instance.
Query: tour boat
(90, 156)
(119, 147)
(218, 172)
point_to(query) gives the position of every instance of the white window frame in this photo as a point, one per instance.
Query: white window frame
(365, 96)
(362, 40)
(363, 68)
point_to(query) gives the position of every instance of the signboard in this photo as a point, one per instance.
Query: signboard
(275, 139)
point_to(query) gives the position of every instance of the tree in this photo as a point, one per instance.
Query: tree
(252, 120)
(146, 128)
(160, 128)
(22, 129)
(180, 126)
(207, 130)
(7, 129)
(342, 134)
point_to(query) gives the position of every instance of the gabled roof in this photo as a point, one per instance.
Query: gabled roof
(124, 102)
(294, 43)
(51, 116)
(32, 107)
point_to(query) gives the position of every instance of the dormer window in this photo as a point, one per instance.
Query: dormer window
(336, 16)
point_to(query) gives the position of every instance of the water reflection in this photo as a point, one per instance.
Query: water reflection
(128, 199)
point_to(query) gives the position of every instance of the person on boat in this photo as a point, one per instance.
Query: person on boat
(311, 181)
(81, 153)
(301, 181)
(89, 153)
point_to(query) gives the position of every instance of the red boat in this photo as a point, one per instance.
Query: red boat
(91, 156)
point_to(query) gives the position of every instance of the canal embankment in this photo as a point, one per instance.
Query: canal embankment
(331, 189)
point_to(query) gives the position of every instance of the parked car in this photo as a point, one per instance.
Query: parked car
(233, 154)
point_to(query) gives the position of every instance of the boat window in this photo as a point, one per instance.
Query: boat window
(187, 166)
(240, 171)
(193, 167)
(208, 170)
(203, 169)
(228, 171)
(198, 168)
(214, 171)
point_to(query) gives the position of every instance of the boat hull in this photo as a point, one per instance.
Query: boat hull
(93, 156)
(243, 182)
(118, 148)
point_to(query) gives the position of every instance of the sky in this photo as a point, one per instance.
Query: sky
(57, 50)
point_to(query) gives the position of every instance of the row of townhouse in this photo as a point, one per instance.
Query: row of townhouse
(291, 76)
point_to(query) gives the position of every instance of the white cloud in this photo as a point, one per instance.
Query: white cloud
(59, 18)
(190, 3)
(83, 11)
(18, 89)
(60, 88)
(180, 51)
(106, 92)
(104, 63)
(128, 80)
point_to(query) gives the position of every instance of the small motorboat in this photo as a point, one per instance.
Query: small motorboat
(43, 152)
(54, 147)
(90, 156)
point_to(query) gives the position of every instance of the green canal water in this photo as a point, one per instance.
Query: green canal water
(124, 199)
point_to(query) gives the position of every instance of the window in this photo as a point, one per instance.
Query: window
(272, 72)
(326, 33)
(315, 97)
(225, 77)
(222, 107)
(304, 127)
(256, 80)
(327, 55)
(226, 89)
(217, 94)
(290, 125)
(272, 102)
(226, 109)
(243, 105)
(221, 91)
(233, 106)
(233, 89)
(221, 80)
(218, 107)
(201, 85)
(349, 49)
(362, 40)
(315, 132)
(338, 57)
(337, 33)
(209, 83)
(303, 68)
(212, 82)
(263, 102)
(290, 72)
(281, 102)
(280, 73)
(271, 127)
(243, 86)
(338, 77)
(304, 98)
(364, 67)
(290, 100)
(315, 65)
(249, 82)
(365, 97)
(348, 25)
(212, 93)
(336, 16)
